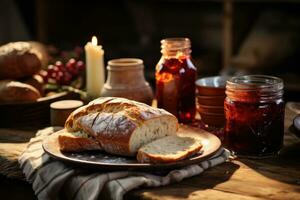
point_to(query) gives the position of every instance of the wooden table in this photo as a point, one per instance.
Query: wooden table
(245, 179)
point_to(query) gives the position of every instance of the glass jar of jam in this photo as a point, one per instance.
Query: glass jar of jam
(175, 79)
(254, 111)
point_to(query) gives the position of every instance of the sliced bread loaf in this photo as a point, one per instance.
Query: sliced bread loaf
(168, 149)
(121, 126)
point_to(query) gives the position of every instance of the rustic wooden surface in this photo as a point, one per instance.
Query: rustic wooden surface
(273, 178)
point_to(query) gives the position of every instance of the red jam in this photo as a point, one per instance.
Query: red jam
(254, 118)
(175, 87)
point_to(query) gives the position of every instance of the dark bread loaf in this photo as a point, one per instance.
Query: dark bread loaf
(42, 50)
(18, 60)
(37, 82)
(121, 126)
(14, 91)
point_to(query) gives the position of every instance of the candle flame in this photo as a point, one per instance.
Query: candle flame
(94, 41)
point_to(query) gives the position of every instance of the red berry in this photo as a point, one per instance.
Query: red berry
(72, 62)
(71, 67)
(59, 77)
(53, 74)
(67, 78)
(80, 65)
(56, 69)
(44, 75)
(63, 70)
(53, 68)
(59, 64)
(50, 67)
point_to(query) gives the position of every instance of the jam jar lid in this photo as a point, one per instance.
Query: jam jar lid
(254, 87)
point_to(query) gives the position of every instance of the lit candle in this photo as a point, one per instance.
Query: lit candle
(94, 68)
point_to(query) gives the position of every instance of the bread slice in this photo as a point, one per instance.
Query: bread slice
(168, 149)
(77, 142)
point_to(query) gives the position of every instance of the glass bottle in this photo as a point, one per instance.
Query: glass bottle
(175, 79)
(254, 110)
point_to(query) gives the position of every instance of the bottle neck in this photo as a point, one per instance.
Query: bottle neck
(254, 88)
(176, 48)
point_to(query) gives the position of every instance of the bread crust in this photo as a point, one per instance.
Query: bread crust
(112, 121)
(68, 143)
(37, 82)
(111, 130)
(18, 60)
(14, 91)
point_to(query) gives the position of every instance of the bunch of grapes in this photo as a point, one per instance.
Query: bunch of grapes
(63, 74)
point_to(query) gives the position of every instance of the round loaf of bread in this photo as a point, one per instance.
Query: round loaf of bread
(122, 126)
(37, 82)
(18, 60)
(14, 91)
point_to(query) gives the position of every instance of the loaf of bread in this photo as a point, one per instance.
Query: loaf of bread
(168, 149)
(121, 126)
(18, 60)
(37, 82)
(14, 91)
(41, 51)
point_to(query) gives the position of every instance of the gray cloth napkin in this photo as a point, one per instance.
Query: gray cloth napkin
(53, 179)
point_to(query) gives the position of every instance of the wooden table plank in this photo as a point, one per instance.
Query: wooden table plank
(178, 192)
(237, 179)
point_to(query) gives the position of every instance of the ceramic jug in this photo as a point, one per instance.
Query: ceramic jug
(126, 79)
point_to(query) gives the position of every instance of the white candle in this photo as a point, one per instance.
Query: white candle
(94, 68)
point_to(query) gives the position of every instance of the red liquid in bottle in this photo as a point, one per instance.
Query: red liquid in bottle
(175, 87)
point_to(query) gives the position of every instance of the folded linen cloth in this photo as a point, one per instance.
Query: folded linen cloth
(52, 179)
